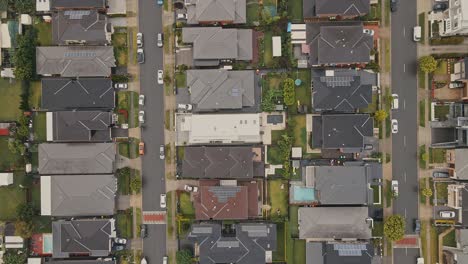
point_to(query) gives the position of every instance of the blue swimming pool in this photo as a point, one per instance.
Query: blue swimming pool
(303, 194)
(47, 244)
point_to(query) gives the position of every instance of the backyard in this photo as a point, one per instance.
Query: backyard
(8, 159)
(278, 197)
(295, 10)
(303, 91)
(39, 126)
(44, 32)
(186, 205)
(10, 99)
(252, 11)
(35, 94)
(14, 195)
(300, 132)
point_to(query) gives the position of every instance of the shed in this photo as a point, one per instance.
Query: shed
(6, 178)
(276, 46)
(296, 153)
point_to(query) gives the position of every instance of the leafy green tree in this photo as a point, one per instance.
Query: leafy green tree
(183, 257)
(427, 64)
(289, 94)
(394, 227)
(14, 257)
(24, 57)
(380, 115)
(23, 229)
(25, 212)
(16, 146)
(285, 144)
(135, 184)
(427, 192)
(24, 6)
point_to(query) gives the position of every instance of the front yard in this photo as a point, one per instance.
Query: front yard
(186, 206)
(8, 159)
(278, 198)
(129, 149)
(437, 155)
(127, 103)
(119, 41)
(124, 221)
(441, 112)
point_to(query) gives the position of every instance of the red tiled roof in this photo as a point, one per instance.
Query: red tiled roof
(4, 132)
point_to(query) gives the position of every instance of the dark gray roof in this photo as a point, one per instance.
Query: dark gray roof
(79, 26)
(341, 90)
(80, 4)
(75, 61)
(248, 245)
(76, 158)
(79, 195)
(211, 11)
(69, 94)
(340, 253)
(81, 261)
(221, 89)
(338, 43)
(87, 126)
(461, 164)
(330, 223)
(341, 130)
(329, 8)
(343, 185)
(464, 210)
(82, 237)
(221, 163)
(216, 43)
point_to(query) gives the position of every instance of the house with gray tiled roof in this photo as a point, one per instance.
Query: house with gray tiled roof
(216, 11)
(79, 126)
(334, 8)
(356, 252)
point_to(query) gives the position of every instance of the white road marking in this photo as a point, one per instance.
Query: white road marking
(405, 175)
(404, 141)
(404, 104)
(404, 31)
(404, 67)
(405, 212)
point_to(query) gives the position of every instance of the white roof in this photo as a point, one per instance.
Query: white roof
(223, 128)
(298, 26)
(6, 178)
(50, 126)
(34, 261)
(5, 40)
(46, 200)
(13, 239)
(25, 19)
(42, 5)
(276, 46)
(297, 152)
(298, 35)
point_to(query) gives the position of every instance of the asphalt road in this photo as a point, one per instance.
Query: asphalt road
(405, 255)
(152, 133)
(404, 143)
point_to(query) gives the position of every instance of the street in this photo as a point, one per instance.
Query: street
(406, 255)
(152, 133)
(404, 143)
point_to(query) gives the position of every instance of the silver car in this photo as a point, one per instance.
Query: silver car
(394, 126)
(161, 152)
(160, 77)
(141, 117)
(141, 99)
(139, 37)
(160, 40)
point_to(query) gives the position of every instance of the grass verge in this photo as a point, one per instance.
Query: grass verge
(422, 113)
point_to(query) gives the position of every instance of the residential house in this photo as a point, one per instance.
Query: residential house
(457, 197)
(79, 126)
(217, 129)
(87, 27)
(81, 4)
(216, 12)
(76, 158)
(86, 237)
(342, 90)
(341, 252)
(334, 223)
(337, 43)
(78, 195)
(247, 243)
(458, 163)
(346, 132)
(335, 8)
(455, 19)
(460, 252)
(81, 261)
(460, 73)
(60, 94)
(452, 131)
(212, 44)
(227, 200)
(217, 162)
(334, 185)
(214, 90)
(75, 61)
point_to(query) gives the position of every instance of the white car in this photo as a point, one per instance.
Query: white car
(395, 187)
(368, 31)
(395, 101)
(143, 261)
(184, 107)
(447, 214)
(139, 37)
(121, 241)
(165, 260)
(161, 152)
(160, 40)
(141, 117)
(189, 188)
(162, 200)
(394, 126)
(141, 99)
(160, 77)
(122, 86)
(182, 16)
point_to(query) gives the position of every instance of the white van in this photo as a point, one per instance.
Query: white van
(395, 101)
(417, 33)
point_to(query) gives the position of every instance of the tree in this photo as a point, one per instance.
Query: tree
(289, 94)
(25, 212)
(427, 64)
(14, 257)
(380, 115)
(394, 227)
(183, 257)
(24, 6)
(23, 229)
(24, 57)
(427, 192)
(135, 184)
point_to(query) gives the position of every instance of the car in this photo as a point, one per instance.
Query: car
(120, 86)
(417, 33)
(440, 174)
(141, 117)
(420, 260)
(121, 241)
(395, 101)
(395, 188)
(140, 56)
(184, 107)
(393, 5)
(368, 31)
(447, 214)
(143, 261)
(143, 230)
(453, 85)
(141, 99)
(160, 2)
(160, 77)
(141, 148)
(164, 260)
(439, 7)
(160, 40)
(417, 226)
(394, 126)
(119, 247)
(182, 16)
(161, 152)
(162, 200)
(139, 37)
(190, 188)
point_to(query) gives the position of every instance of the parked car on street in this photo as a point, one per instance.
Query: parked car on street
(395, 187)
(161, 152)
(440, 174)
(141, 117)
(122, 86)
(160, 77)
(162, 200)
(447, 214)
(160, 40)
(139, 37)
(417, 226)
(121, 241)
(417, 33)
(394, 126)
(164, 260)
(395, 101)
(143, 261)
(160, 2)
(393, 5)
(140, 56)
(143, 230)
(141, 99)
(141, 148)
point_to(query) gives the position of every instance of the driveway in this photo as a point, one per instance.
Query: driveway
(152, 133)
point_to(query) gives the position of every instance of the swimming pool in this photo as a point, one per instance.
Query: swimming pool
(47, 244)
(303, 194)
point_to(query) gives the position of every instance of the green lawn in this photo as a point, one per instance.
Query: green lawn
(42, 224)
(180, 79)
(422, 186)
(278, 199)
(252, 12)
(388, 193)
(441, 190)
(125, 223)
(39, 126)
(378, 229)
(35, 94)
(186, 206)
(170, 227)
(449, 239)
(303, 91)
(36, 196)
(268, 49)
(8, 159)
(437, 155)
(422, 156)
(293, 221)
(14, 195)
(119, 41)
(44, 32)
(129, 148)
(421, 79)
(422, 24)
(441, 67)
(9, 99)
(422, 112)
(299, 251)
(441, 112)
(274, 153)
(300, 132)
(295, 10)
(279, 253)
(123, 181)
(125, 103)
(388, 127)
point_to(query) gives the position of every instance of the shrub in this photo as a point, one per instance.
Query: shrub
(427, 64)
(394, 227)
(289, 92)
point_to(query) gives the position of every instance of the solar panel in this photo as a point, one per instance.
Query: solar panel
(337, 80)
(227, 244)
(202, 230)
(77, 14)
(223, 193)
(349, 249)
